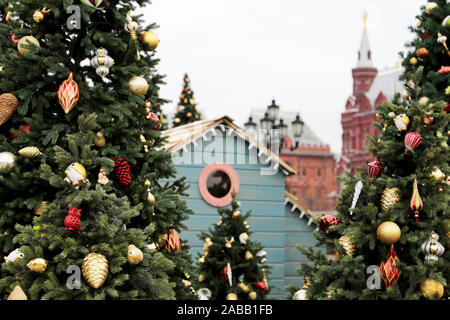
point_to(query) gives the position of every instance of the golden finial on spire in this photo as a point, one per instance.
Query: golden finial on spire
(365, 16)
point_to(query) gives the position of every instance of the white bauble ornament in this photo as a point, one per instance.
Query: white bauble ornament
(76, 174)
(7, 160)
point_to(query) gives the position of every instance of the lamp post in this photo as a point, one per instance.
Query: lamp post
(250, 126)
(297, 128)
(283, 131)
(274, 111)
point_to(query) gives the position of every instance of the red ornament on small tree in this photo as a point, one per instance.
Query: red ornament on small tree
(173, 243)
(72, 222)
(25, 126)
(412, 141)
(374, 169)
(260, 285)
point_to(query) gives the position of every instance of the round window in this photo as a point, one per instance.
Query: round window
(218, 184)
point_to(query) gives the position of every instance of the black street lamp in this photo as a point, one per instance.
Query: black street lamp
(297, 128)
(250, 126)
(266, 122)
(274, 111)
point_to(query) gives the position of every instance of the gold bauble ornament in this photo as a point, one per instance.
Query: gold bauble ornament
(95, 269)
(243, 237)
(7, 160)
(236, 213)
(38, 265)
(413, 61)
(437, 174)
(99, 140)
(422, 53)
(349, 246)
(389, 197)
(8, 105)
(423, 101)
(232, 296)
(38, 16)
(76, 174)
(201, 260)
(41, 209)
(252, 295)
(17, 294)
(248, 255)
(134, 254)
(430, 6)
(388, 232)
(138, 85)
(244, 287)
(427, 118)
(432, 288)
(29, 152)
(419, 24)
(150, 38)
(189, 114)
(201, 277)
(26, 41)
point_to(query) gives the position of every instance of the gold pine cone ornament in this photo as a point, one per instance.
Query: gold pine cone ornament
(348, 245)
(29, 152)
(95, 269)
(389, 198)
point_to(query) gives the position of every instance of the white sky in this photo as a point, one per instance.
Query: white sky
(242, 53)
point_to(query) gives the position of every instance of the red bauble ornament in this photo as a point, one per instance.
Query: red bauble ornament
(173, 243)
(447, 108)
(412, 141)
(425, 35)
(72, 221)
(185, 90)
(122, 171)
(260, 285)
(68, 93)
(25, 126)
(444, 70)
(327, 221)
(390, 272)
(374, 169)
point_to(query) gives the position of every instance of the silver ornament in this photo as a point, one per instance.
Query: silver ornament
(7, 160)
(102, 62)
(432, 248)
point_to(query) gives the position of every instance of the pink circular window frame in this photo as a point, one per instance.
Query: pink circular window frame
(208, 197)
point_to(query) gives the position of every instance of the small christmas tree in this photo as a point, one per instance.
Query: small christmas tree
(430, 49)
(397, 224)
(231, 265)
(187, 110)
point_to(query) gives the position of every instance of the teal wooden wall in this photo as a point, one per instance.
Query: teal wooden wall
(297, 232)
(278, 229)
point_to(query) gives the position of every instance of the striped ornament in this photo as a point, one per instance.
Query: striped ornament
(390, 272)
(416, 203)
(412, 141)
(93, 3)
(173, 243)
(29, 152)
(374, 169)
(68, 93)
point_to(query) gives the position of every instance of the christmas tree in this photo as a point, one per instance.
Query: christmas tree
(392, 226)
(80, 186)
(187, 110)
(231, 265)
(430, 50)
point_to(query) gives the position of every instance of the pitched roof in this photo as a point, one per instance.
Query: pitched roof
(388, 82)
(179, 137)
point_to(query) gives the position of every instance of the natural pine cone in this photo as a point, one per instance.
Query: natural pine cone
(95, 269)
(349, 246)
(122, 171)
(389, 198)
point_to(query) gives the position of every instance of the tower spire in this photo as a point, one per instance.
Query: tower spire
(364, 53)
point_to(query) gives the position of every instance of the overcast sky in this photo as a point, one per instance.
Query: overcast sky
(242, 53)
